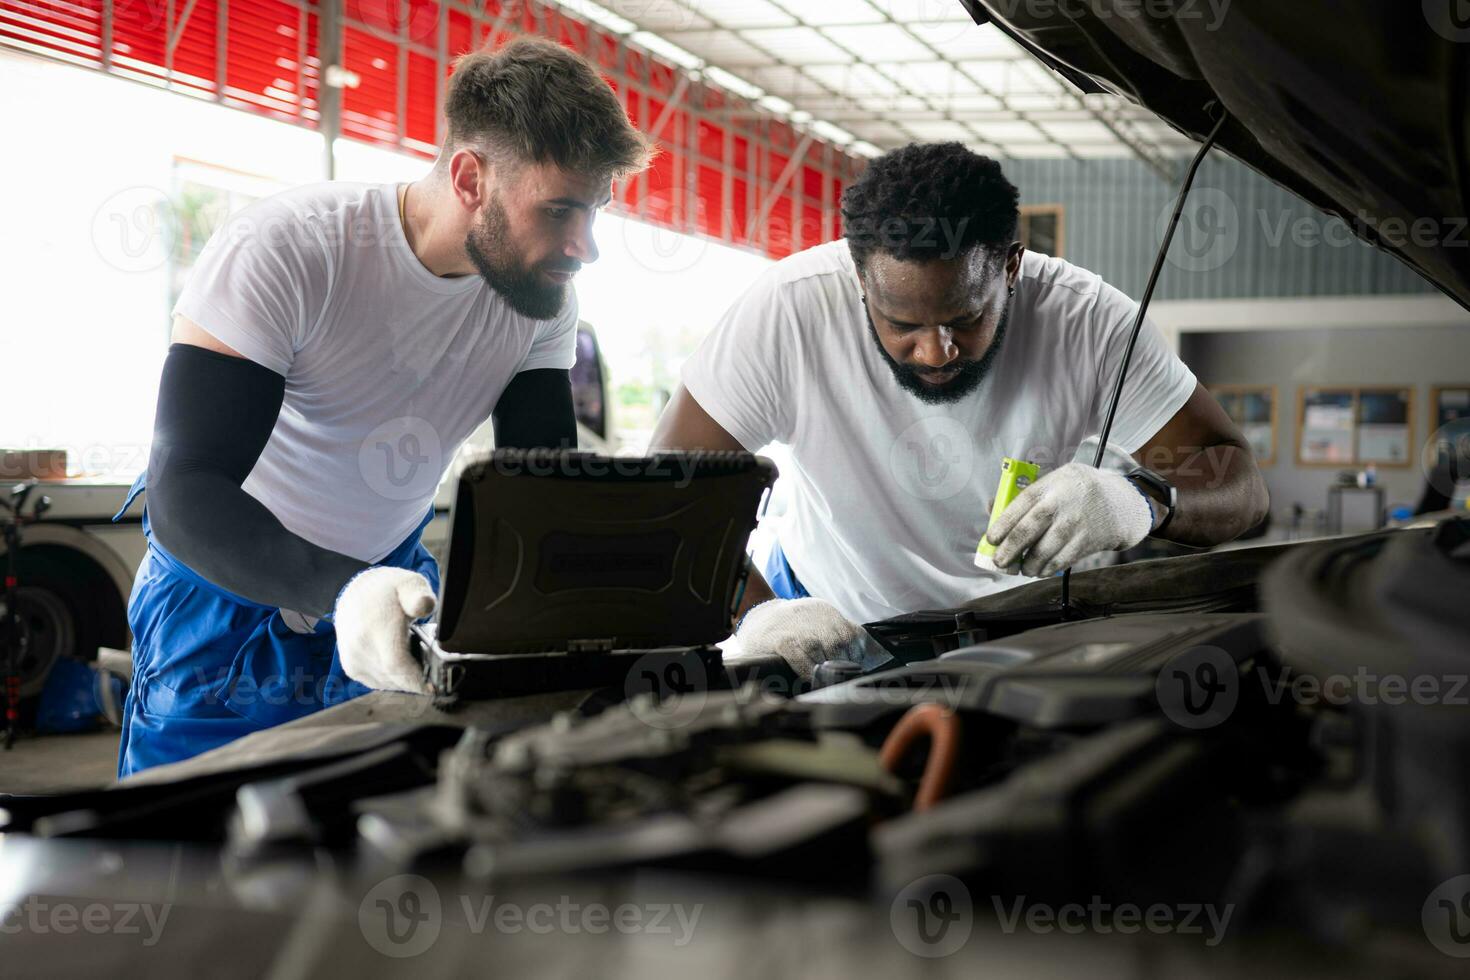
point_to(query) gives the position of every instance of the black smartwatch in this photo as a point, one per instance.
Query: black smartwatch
(1157, 489)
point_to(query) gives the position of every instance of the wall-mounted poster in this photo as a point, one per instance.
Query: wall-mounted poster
(1325, 421)
(1385, 426)
(1451, 405)
(1253, 408)
(1451, 436)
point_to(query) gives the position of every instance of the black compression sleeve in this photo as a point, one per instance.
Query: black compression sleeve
(535, 412)
(215, 415)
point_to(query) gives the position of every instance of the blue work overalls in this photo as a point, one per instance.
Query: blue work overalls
(210, 666)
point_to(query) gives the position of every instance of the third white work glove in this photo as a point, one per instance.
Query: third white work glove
(372, 618)
(1068, 514)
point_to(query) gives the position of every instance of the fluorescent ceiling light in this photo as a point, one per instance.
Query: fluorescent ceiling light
(831, 133)
(598, 14)
(776, 104)
(666, 49)
(733, 83)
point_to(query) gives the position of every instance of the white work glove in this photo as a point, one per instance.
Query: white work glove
(372, 618)
(803, 632)
(1068, 514)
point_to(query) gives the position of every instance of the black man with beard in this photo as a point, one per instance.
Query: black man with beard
(900, 364)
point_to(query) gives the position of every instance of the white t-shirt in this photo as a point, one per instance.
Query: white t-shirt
(388, 367)
(889, 495)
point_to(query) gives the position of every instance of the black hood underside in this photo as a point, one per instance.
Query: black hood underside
(1358, 106)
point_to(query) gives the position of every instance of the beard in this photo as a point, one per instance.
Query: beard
(965, 381)
(490, 248)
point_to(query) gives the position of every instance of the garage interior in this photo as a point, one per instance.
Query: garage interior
(1000, 767)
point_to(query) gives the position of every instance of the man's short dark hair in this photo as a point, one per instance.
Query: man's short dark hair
(929, 201)
(534, 101)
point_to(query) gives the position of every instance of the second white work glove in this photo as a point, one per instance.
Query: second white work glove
(1068, 514)
(372, 618)
(802, 632)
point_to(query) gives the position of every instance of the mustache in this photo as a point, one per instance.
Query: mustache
(953, 367)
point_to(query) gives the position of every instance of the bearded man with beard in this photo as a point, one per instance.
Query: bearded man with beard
(333, 347)
(900, 364)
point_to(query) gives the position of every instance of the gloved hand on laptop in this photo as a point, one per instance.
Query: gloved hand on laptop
(372, 618)
(1068, 514)
(803, 632)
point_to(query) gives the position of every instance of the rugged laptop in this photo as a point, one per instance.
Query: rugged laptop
(565, 568)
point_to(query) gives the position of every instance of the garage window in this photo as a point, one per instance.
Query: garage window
(1042, 228)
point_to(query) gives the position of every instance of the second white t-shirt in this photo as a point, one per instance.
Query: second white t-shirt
(889, 495)
(388, 367)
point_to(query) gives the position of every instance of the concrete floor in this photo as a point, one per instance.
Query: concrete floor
(58, 763)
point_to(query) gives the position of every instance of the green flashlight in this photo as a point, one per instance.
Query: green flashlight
(1015, 475)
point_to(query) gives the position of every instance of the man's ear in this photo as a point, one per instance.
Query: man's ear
(1013, 263)
(467, 173)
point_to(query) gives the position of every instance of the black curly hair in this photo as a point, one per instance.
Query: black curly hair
(930, 201)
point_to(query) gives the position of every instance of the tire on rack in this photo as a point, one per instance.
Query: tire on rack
(69, 606)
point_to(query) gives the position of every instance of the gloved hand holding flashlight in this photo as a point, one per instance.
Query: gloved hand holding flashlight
(1070, 513)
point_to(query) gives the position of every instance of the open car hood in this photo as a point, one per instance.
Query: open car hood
(1358, 107)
